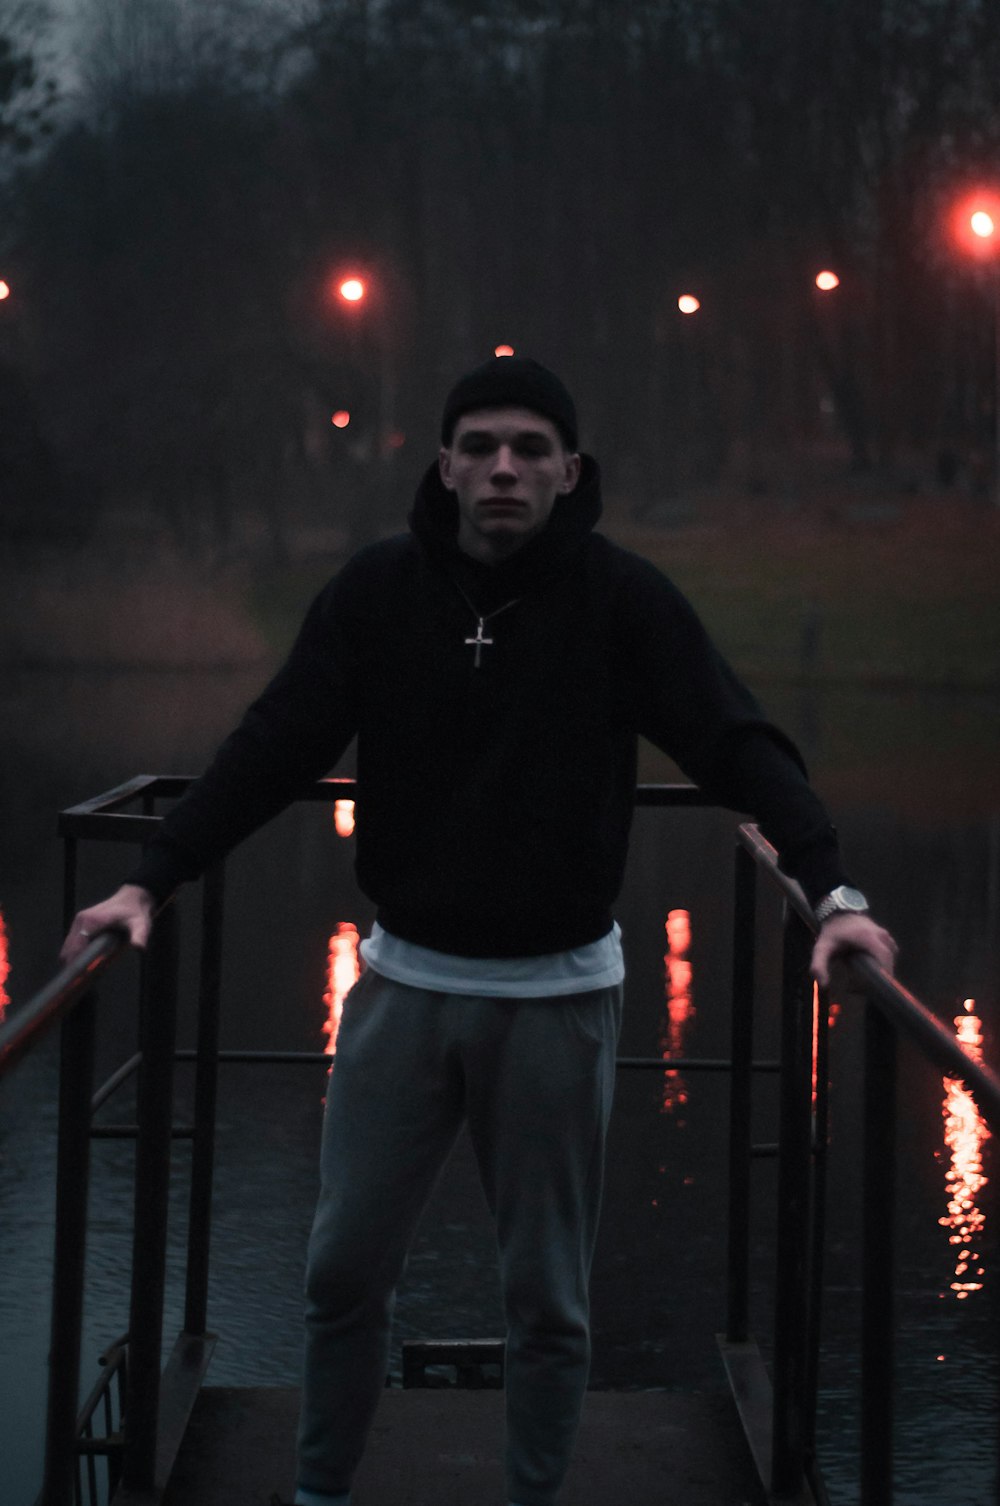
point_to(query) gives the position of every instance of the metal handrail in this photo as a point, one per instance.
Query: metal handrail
(898, 1005)
(780, 1424)
(58, 997)
(102, 817)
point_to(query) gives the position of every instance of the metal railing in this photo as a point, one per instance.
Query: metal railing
(146, 1405)
(779, 1412)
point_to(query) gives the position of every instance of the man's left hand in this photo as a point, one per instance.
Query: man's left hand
(843, 934)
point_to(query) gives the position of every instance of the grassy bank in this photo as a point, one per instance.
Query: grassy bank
(906, 596)
(903, 596)
(906, 599)
(141, 609)
(821, 610)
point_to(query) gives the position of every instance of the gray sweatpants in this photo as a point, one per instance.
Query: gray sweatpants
(534, 1080)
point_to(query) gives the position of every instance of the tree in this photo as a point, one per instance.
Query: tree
(26, 98)
(157, 263)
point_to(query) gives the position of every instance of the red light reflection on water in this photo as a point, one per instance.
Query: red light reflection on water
(832, 1015)
(343, 969)
(965, 1134)
(4, 966)
(343, 817)
(815, 1041)
(677, 988)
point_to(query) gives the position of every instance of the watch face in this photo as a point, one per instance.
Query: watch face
(849, 899)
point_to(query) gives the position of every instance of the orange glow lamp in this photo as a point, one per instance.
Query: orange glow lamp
(975, 224)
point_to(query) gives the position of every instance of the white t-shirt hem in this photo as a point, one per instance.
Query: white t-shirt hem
(599, 964)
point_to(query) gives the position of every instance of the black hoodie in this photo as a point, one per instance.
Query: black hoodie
(495, 799)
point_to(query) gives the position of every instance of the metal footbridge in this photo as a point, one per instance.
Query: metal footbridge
(150, 1431)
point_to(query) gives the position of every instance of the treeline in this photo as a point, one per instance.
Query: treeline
(552, 176)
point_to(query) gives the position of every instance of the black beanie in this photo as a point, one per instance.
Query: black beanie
(511, 382)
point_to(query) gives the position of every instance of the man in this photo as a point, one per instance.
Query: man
(496, 664)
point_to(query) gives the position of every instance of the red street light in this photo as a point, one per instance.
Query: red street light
(688, 303)
(975, 224)
(373, 329)
(826, 281)
(503, 350)
(4, 289)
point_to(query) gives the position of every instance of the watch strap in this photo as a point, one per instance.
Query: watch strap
(841, 901)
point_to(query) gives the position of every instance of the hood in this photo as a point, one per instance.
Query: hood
(434, 522)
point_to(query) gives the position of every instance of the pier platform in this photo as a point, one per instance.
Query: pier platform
(442, 1447)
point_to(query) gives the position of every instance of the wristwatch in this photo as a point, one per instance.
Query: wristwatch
(841, 901)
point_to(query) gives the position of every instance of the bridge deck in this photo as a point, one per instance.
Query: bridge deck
(441, 1448)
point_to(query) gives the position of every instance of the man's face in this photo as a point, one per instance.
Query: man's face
(506, 467)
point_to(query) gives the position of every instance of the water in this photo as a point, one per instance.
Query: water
(911, 781)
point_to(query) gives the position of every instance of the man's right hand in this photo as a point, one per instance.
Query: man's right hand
(130, 909)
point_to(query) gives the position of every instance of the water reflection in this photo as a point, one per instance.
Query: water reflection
(815, 1040)
(680, 1009)
(832, 1015)
(965, 1134)
(343, 817)
(4, 966)
(343, 968)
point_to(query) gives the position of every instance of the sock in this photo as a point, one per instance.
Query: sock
(317, 1498)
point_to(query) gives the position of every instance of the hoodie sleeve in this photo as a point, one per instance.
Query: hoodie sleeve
(691, 704)
(291, 735)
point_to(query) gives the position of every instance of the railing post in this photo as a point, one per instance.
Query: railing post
(794, 1208)
(205, 1094)
(877, 1302)
(152, 1189)
(741, 1097)
(76, 1085)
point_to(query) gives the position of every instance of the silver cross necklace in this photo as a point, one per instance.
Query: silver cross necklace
(479, 642)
